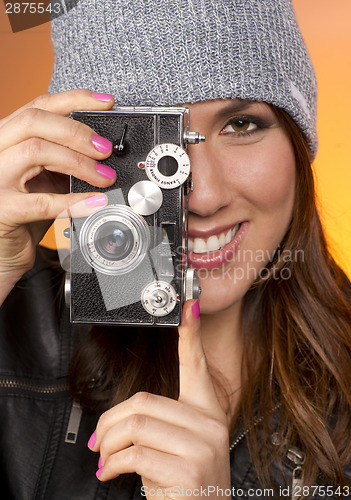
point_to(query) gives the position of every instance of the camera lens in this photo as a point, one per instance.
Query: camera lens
(167, 166)
(113, 240)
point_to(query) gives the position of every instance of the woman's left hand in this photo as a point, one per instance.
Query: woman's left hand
(179, 448)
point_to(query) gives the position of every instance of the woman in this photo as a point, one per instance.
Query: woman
(261, 401)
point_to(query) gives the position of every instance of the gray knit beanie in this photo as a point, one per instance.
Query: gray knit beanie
(166, 52)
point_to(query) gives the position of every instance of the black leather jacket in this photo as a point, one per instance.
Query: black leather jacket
(43, 454)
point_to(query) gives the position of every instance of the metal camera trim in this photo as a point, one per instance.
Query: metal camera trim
(135, 223)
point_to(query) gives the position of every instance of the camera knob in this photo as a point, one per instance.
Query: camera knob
(193, 137)
(159, 298)
(191, 285)
(145, 197)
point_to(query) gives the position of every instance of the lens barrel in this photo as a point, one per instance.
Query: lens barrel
(114, 240)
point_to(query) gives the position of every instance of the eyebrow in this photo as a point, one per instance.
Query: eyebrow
(235, 106)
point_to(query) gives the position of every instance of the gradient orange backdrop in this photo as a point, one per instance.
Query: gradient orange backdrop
(26, 60)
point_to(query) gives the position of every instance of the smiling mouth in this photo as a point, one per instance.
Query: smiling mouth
(213, 243)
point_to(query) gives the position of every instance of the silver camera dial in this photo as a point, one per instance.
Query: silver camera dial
(167, 165)
(145, 197)
(159, 298)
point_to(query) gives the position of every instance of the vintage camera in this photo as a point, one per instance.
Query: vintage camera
(128, 261)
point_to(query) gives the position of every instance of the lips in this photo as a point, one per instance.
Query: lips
(217, 249)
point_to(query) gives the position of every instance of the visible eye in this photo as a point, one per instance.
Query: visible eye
(244, 125)
(239, 125)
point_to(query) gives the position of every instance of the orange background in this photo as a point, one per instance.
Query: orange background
(26, 60)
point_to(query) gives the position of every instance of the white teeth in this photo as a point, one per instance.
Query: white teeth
(200, 246)
(213, 243)
(222, 240)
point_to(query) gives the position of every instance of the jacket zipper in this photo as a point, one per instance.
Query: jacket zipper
(257, 421)
(7, 383)
(297, 457)
(48, 389)
(73, 423)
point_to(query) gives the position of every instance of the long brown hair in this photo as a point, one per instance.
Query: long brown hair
(297, 331)
(299, 326)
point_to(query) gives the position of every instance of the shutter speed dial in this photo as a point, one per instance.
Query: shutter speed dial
(167, 165)
(159, 298)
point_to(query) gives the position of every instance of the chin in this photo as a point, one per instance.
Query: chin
(219, 295)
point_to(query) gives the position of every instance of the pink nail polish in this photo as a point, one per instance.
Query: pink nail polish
(99, 472)
(196, 310)
(92, 440)
(98, 200)
(101, 144)
(100, 96)
(105, 171)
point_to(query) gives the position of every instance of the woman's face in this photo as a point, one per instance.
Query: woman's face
(243, 196)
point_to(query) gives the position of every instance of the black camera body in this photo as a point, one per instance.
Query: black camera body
(128, 260)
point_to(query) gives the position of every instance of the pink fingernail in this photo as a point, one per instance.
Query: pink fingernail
(105, 171)
(99, 472)
(101, 144)
(100, 96)
(98, 200)
(92, 440)
(196, 310)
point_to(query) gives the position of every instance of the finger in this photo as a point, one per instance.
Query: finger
(148, 405)
(18, 209)
(149, 432)
(63, 103)
(73, 134)
(26, 160)
(195, 382)
(158, 467)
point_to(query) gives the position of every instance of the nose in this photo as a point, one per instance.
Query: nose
(210, 189)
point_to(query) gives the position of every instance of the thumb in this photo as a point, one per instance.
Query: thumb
(195, 382)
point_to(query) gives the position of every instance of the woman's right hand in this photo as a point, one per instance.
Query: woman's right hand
(40, 147)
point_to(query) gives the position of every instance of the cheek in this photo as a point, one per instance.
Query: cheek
(266, 176)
